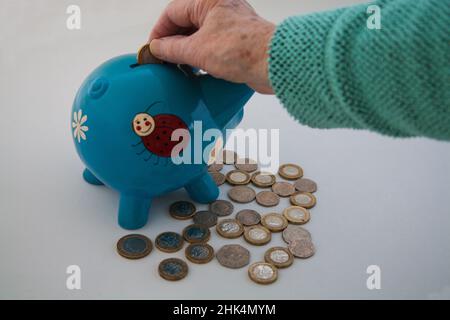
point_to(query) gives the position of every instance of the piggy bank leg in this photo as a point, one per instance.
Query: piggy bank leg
(90, 178)
(203, 189)
(133, 211)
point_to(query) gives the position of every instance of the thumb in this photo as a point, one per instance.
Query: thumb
(174, 49)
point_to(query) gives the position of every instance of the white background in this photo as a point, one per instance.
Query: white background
(381, 201)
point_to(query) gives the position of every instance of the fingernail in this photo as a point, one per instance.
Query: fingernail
(154, 47)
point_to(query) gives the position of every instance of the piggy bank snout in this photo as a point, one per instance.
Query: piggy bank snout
(98, 87)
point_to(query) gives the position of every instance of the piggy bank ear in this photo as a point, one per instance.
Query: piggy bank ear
(98, 87)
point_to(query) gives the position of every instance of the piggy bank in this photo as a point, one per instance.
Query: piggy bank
(124, 119)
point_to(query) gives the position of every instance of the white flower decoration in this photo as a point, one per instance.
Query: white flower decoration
(78, 128)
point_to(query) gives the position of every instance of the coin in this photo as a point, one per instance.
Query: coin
(230, 228)
(283, 189)
(219, 178)
(248, 217)
(296, 214)
(169, 242)
(246, 164)
(275, 222)
(215, 167)
(144, 56)
(182, 210)
(267, 198)
(233, 256)
(280, 257)
(305, 185)
(206, 218)
(303, 199)
(302, 248)
(228, 157)
(196, 233)
(257, 235)
(263, 179)
(238, 177)
(290, 171)
(293, 233)
(263, 273)
(221, 208)
(134, 246)
(242, 194)
(199, 253)
(173, 269)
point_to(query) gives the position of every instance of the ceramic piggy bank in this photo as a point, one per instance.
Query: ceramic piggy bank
(124, 116)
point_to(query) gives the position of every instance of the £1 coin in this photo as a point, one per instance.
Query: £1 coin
(280, 257)
(275, 222)
(257, 235)
(238, 177)
(263, 272)
(296, 214)
(230, 228)
(196, 233)
(134, 246)
(303, 199)
(290, 171)
(199, 253)
(173, 269)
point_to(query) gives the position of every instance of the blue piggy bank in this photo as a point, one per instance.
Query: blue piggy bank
(124, 116)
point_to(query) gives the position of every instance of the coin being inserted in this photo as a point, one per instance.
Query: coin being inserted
(230, 228)
(173, 269)
(275, 222)
(206, 218)
(263, 273)
(290, 171)
(263, 179)
(237, 177)
(305, 185)
(199, 253)
(280, 257)
(221, 208)
(242, 194)
(257, 235)
(218, 178)
(145, 56)
(296, 214)
(233, 256)
(267, 198)
(283, 189)
(303, 199)
(196, 233)
(169, 242)
(246, 164)
(248, 217)
(182, 210)
(134, 246)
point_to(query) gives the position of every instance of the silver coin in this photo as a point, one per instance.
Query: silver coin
(302, 248)
(283, 189)
(248, 217)
(233, 256)
(242, 194)
(305, 185)
(206, 218)
(221, 208)
(294, 232)
(267, 198)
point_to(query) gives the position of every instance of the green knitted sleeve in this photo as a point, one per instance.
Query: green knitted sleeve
(331, 71)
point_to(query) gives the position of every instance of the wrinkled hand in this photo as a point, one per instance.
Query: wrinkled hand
(225, 38)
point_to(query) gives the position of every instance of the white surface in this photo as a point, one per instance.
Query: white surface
(380, 201)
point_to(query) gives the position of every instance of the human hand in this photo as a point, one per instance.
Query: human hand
(225, 38)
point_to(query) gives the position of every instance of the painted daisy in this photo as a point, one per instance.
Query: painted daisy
(78, 126)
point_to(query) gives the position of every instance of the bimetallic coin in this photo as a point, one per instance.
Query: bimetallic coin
(206, 218)
(182, 210)
(302, 248)
(305, 185)
(263, 179)
(134, 246)
(238, 177)
(296, 214)
(246, 164)
(248, 217)
(218, 178)
(283, 189)
(293, 233)
(230, 228)
(303, 199)
(263, 273)
(242, 194)
(169, 242)
(228, 157)
(275, 222)
(221, 208)
(199, 253)
(173, 269)
(233, 256)
(267, 198)
(257, 235)
(290, 171)
(144, 56)
(215, 167)
(280, 257)
(196, 233)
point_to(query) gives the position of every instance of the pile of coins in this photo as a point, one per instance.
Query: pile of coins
(256, 229)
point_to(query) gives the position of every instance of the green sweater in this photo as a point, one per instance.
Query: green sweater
(331, 71)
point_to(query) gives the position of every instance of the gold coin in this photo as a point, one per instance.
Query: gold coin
(280, 257)
(144, 56)
(267, 198)
(290, 171)
(303, 199)
(275, 222)
(242, 194)
(257, 235)
(263, 179)
(283, 189)
(246, 164)
(230, 228)
(238, 177)
(296, 215)
(263, 272)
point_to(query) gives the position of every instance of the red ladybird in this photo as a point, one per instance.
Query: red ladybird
(156, 132)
